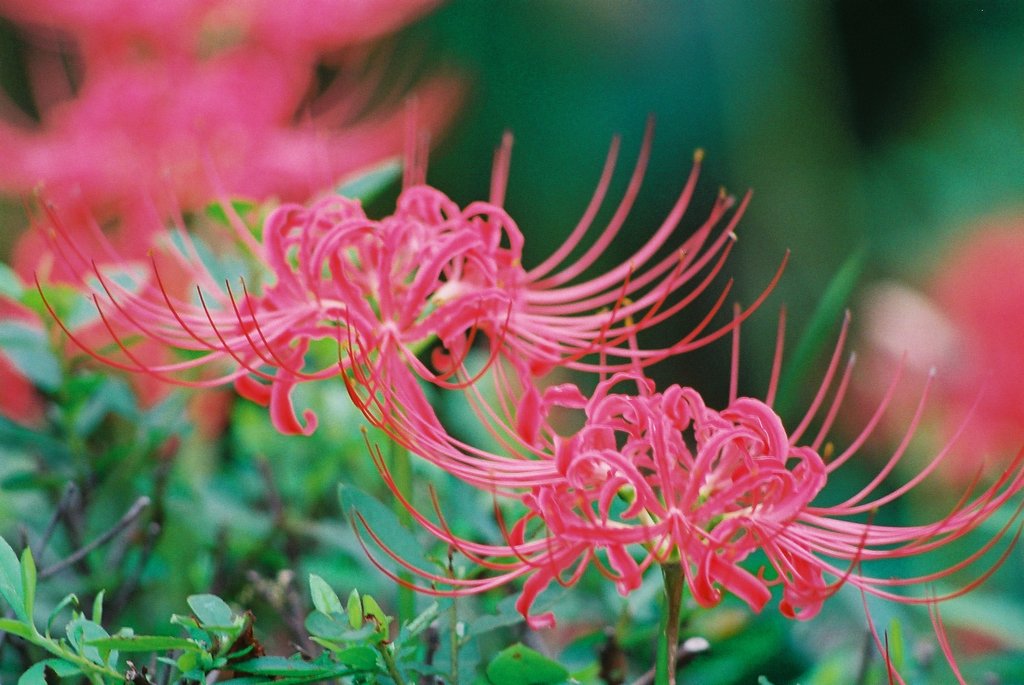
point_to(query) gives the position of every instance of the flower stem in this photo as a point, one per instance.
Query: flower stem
(665, 666)
(401, 472)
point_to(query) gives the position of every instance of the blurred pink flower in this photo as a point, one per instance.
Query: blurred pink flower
(967, 327)
(431, 272)
(177, 104)
(204, 98)
(313, 26)
(660, 478)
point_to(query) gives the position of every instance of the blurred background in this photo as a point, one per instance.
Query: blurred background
(889, 127)
(876, 138)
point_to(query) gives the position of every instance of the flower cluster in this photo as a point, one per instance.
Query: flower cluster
(659, 478)
(431, 272)
(730, 497)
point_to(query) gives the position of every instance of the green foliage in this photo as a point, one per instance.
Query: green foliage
(356, 640)
(520, 665)
(28, 350)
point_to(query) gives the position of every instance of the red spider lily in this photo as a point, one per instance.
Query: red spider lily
(660, 478)
(432, 272)
(137, 101)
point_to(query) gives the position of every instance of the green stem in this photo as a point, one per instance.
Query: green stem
(401, 473)
(91, 670)
(453, 625)
(668, 640)
(389, 661)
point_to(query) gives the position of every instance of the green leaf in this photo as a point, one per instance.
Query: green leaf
(321, 625)
(369, 185)
(216, 211)
(62, 299)
(355, 609)
(520, 665)
(37, 674)
(281, 666)
(372, 610)
(211, 611)
(818, 332)
(894, 641)
(10, 284)
(10, 581)
(324, 598)
(82, 633)
(97, 607)
(28, 582)
(506, 614)
(423, 621)
(144, 643)
(68, 599)
(188, 661)
(29, 351)
(362, 657)
(362, 508)
(98, 397)
(16, 627)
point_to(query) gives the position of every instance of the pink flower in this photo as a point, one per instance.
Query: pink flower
(176, 104)
(314, 26)
(184, 103)
(432, 272)
(660, 478)
(970, 331)
(191, 130)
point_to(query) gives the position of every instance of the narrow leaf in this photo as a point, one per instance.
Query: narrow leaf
(68, 600)
(97, 607)
(817, 334)
(282, 666)
(895, 643)
(144, 643)
(28, 582)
